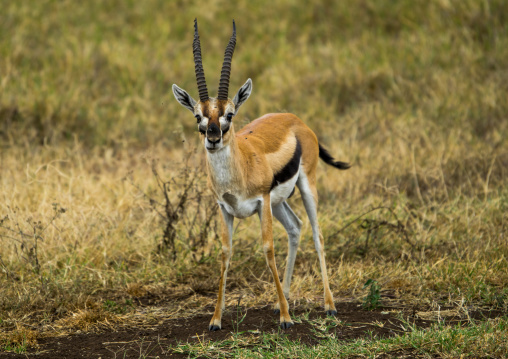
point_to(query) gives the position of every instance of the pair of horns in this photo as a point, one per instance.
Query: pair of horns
(226, 66)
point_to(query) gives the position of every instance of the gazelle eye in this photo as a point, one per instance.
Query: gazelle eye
(198, 117)
(229, 116)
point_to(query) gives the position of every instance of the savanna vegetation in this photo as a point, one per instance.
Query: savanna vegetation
(105, 219)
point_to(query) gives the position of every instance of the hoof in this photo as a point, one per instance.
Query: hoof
(286, 325)
(276, 311)
(213, 328)
(331, 313)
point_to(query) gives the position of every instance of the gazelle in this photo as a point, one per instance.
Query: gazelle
(254, 171)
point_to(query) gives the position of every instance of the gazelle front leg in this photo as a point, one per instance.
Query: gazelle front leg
(227, 244)
(267, 234)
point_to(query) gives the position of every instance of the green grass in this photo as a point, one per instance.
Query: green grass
(373, 296)
(412, 93)
(15, 348)
(488, 339)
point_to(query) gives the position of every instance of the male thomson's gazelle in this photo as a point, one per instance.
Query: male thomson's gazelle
(255, 170)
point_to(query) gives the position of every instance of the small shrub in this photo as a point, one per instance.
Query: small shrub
(27, 234)
(373, 297)
(186, 210)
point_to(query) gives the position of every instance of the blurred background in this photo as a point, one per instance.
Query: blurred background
(102, 71)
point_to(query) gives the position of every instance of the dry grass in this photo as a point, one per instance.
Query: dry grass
(412, 93)
(87, 320)
(19, 338)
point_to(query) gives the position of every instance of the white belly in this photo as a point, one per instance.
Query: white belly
(281, 192)
(245, 207)
(238, 207)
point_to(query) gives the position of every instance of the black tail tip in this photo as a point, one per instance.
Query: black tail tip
(340, 165)
(325, 156)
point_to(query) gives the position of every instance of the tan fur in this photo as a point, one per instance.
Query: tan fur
(267, 234)
(264, 146)
(226, 256)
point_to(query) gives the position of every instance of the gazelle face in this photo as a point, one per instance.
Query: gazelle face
(214, 117)
(214, 122)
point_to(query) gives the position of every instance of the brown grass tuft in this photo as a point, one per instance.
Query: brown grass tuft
(21, 336)
(136, 289)
(89, 320)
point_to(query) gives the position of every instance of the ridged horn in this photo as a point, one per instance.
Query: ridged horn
(198, 65)
(226, 66)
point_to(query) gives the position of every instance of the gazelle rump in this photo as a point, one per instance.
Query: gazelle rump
(254, 171)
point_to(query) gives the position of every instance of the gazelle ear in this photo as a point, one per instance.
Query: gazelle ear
(184, 98)
(242, 95)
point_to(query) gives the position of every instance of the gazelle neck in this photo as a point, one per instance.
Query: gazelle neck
(224, 169)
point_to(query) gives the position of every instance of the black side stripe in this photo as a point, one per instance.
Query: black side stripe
(290, 169)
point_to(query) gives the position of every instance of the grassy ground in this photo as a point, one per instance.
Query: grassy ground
(487, 339)
(412, 93)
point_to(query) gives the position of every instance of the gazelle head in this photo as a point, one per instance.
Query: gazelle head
(214, 115)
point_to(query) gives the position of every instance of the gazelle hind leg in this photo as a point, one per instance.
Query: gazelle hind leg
(292, 225)
(309, 197)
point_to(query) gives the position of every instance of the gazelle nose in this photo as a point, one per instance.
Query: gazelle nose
(213, 133)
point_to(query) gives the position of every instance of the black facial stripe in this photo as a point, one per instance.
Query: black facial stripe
(290, 169)
(225, 130)
(202, 127)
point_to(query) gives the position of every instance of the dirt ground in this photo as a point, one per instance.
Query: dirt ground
(159, 341)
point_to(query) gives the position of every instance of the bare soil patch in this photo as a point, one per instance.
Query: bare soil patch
(159, 341)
